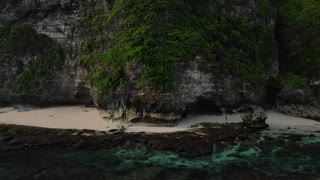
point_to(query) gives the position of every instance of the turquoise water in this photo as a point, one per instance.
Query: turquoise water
(139, 163)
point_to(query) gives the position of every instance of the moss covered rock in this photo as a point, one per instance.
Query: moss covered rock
(164, 59)
(38, 50)
(160, 34)
(47, 55)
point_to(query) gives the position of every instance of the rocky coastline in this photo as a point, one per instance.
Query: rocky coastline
(195, 144)
(190, 143)
(157, 62)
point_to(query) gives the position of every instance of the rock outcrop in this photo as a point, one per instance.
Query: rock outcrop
(199, 85)
(299, 102)
(255, 119)
(191, 143)
(298, 40)
(58, 20)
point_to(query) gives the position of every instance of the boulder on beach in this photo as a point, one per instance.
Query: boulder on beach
(255, 119)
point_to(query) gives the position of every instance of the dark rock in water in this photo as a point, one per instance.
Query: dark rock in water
(79, 144)
(75, 156)
(190, 143)
(294, 137)
(113, 130)
(207, 125)
(242, 173)
(312, 135)
(4, 138)
(76, 173)
(256, 119)
(298, 137)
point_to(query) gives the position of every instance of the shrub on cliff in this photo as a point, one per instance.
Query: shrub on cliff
(294, 81)
(160, 34)
(299, 37)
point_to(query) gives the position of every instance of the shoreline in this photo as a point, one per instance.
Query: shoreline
(227, 142)
(187, 143)
(191, 143)
(80, 117)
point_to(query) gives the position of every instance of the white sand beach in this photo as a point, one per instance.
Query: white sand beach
(69, 117)
(79, 117)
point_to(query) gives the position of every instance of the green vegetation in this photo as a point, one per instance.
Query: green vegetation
(294, 81)
(299, 36)
(21, 41)
(275, 85)
(158, 34)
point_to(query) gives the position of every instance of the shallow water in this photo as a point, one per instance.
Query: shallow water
(137, 163)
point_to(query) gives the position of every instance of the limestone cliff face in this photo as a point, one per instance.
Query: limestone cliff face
(59, 20)
(199, 86)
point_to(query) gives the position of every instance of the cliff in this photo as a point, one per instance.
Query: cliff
(40, 43)
(153, 61)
